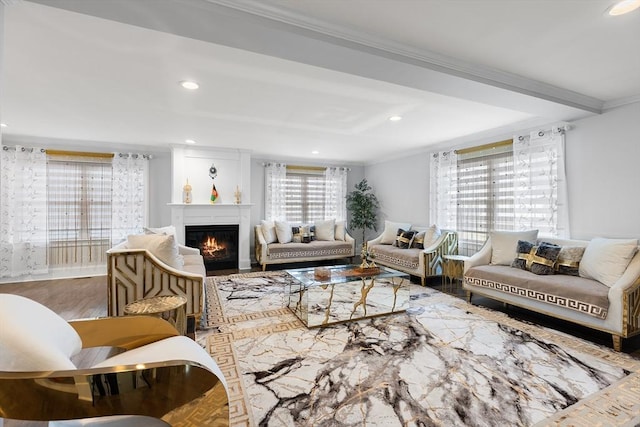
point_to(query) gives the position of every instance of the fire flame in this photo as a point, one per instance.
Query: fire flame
(212, 245)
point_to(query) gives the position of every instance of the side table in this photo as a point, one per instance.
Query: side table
(452, 270)
(171, 308)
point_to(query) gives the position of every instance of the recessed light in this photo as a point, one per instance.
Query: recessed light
(187, 84)
(395, 118)
(624, 6)
(189, 141)
(3, 125)
(315, 152)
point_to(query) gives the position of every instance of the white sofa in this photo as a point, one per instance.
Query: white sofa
(421, 262)
(134, 273)
(573, 298)
(273, 252)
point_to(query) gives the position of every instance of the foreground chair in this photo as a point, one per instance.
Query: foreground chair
(157, 372)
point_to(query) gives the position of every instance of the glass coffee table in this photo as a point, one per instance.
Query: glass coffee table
(328, 295)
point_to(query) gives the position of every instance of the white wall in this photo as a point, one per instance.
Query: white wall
(159, 190)
(603, 175)
(402, 187)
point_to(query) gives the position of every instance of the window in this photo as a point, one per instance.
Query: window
(484, 198)
(79, 210)
(304, 196)
(516, 184)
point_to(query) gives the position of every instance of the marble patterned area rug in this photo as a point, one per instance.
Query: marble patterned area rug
(442, 363)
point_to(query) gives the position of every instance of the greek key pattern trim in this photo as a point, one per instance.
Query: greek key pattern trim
(396, 261)
(580, 306)
(346, 252)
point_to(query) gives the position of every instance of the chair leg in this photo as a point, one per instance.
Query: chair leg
(423, 281)
(264, 267)
(617, 342)
(469, 297)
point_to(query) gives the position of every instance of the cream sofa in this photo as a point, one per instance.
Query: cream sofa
(291, 252)
(613, 308)
(135, 273)
(418, 262)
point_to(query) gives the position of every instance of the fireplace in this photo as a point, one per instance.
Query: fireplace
(218, 244)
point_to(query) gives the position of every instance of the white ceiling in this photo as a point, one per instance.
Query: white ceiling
(271, 83)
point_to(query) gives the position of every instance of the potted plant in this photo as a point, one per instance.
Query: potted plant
(363, 206)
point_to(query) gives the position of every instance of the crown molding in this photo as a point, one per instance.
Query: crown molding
(432, 60)
(615, 103)
(9, 2)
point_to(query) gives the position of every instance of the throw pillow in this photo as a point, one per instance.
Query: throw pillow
(283, 232)
(390, 231)
(269, 231)
(296, 233)
(340, 230)
(523, 249)
(169, 229)
(569, 260)
(325, 230)
(162, 246)
(539, 259)
(504, 244)
(404, 238)
(605, 260)
(418, 240)
(431, 235)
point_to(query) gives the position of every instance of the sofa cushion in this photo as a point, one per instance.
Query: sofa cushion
(576, 293)
(269, 231)
(162, 246)
(194, 264)
(538, 259)
(504, 244)
(569, 260)
(284, 233)
(325, 230)
(391, 230)
(605, 260)
(407, 258)
(404, 238)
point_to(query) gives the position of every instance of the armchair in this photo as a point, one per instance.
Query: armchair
(157, 372)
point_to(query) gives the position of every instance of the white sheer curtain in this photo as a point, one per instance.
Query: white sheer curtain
(336, 193)
(275, 176)
(540, 183)
(443, 189)
(23, 216)
(128, 209)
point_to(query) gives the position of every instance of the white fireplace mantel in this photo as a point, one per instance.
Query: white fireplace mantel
(216, 214)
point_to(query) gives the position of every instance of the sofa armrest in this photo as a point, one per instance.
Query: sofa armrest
(188, 250)
(630, 276)
(445, 244)
(482, 257)
(260, 245)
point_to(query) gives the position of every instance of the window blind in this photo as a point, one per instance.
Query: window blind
(304, 196)
(485, 199)
(79, 210)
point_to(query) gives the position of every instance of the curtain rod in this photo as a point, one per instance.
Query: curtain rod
(308, 168)
(13, 147)
(78, 154)
(484, 147)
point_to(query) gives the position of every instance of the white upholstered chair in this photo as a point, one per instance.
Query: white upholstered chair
(157, 372)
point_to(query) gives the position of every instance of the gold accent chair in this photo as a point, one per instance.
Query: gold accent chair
(156, 372)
